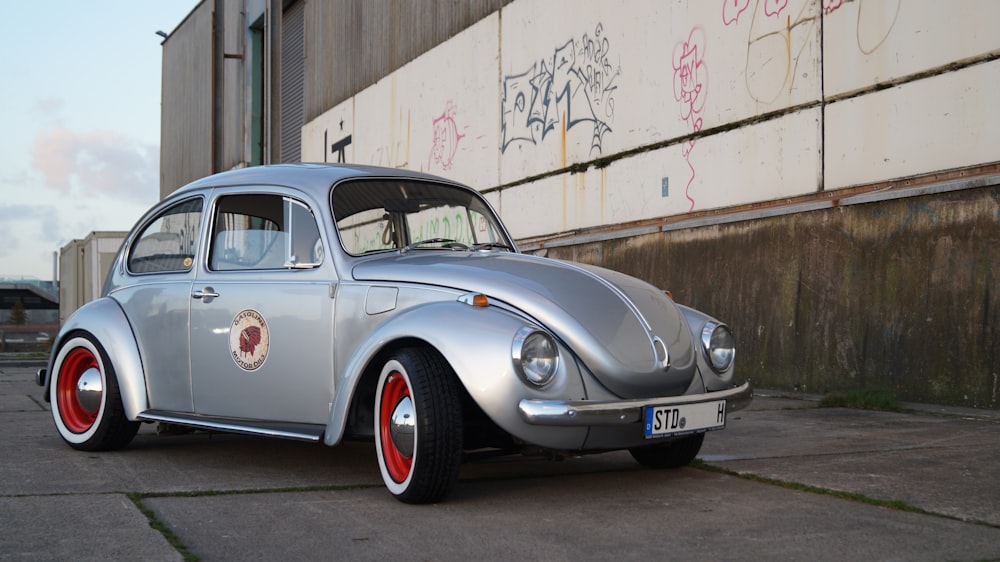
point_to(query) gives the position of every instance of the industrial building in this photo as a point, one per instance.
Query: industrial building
(821, 174)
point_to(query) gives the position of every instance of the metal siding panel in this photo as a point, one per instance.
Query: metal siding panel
(186, 110)
(351, 44)
(233, 93)
(292, 82)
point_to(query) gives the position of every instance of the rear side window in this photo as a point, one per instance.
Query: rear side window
(168, 243)
(264, 232)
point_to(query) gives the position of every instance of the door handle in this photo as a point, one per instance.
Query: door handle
(206, 293)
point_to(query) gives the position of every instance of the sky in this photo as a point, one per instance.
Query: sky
(80, 119)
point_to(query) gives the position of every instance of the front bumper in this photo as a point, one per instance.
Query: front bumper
(568, 413)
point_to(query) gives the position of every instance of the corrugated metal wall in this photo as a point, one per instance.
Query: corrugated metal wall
(186, 110)
(351, 44)
(292, 82)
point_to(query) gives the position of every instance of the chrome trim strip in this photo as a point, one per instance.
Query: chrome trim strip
(297, 431)
(619, 412)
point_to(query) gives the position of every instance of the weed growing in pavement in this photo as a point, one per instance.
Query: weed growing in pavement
(864, 399)
(156, 524)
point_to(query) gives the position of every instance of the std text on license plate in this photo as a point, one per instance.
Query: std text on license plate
(662, 421)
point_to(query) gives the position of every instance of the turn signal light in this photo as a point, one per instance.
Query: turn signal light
(475, 299)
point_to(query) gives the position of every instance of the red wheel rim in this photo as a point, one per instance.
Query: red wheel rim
(76, 418)
(394, 390)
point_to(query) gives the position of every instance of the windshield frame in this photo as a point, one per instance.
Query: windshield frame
(400, 214)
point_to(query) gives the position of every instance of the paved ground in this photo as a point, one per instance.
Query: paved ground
(785, 480)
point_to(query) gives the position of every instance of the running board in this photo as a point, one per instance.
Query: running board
(283, 430)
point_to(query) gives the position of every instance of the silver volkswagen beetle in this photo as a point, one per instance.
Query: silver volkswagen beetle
(323, 303)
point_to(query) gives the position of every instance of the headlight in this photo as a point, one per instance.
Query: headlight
(535, 355)
(720, 346)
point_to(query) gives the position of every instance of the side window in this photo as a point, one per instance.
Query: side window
(168, 243)
(264, 232)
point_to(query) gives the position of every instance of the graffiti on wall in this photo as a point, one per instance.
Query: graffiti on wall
(335, 151)
(576, 85)
(395, 151)
(690, 90)
(444, 145)
(872, 28)
(773, 53)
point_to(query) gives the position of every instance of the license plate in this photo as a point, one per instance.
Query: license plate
(662, 421)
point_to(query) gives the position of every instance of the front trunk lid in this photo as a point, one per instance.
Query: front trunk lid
(626, 332)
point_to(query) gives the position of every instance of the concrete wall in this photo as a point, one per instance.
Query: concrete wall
(685, 106)
(707, 146)
(898, 294)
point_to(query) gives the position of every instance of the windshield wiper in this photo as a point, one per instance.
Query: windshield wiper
(446, 243)
(491, 246)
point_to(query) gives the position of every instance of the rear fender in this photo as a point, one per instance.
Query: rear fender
(106, 321)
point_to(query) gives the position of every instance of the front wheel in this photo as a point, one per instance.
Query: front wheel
(86, 403)
(674, 454)
(418, 426)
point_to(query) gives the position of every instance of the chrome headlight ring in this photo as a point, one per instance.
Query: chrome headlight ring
(535, 356)
(719, 345)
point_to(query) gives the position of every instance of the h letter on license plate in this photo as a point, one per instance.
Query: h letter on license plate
(662, 421)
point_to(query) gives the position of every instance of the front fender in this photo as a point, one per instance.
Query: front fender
(696, 321)
(476, 342)
(106, 321)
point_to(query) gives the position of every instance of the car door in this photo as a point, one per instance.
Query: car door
(262, 313)
(154, 290)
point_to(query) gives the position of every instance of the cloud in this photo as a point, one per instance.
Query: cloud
(27, 230)
(97, 163)
(46, 217)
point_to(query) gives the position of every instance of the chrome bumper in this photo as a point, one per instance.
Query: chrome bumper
(620, 412)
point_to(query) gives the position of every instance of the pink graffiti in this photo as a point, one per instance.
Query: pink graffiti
(732, 9)
(691, 89)
(446, 138)
(690, 74)
(830, 6)
(774, 7)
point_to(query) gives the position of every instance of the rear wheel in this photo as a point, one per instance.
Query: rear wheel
(418, 426)
(674, 454)
(86, 403)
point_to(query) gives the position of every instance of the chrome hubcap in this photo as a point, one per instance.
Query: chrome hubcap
(89, 390)
(402, 427)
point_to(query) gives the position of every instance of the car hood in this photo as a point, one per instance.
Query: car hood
(629, 334)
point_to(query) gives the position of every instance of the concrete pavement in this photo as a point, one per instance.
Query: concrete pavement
(785, 480)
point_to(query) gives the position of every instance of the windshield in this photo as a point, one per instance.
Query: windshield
(390, 214)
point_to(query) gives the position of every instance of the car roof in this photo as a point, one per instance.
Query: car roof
(310, 177)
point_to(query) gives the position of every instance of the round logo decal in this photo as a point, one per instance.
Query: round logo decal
(248, 340)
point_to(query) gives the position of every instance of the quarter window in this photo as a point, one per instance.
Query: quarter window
(264, 232)
(169, 242)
